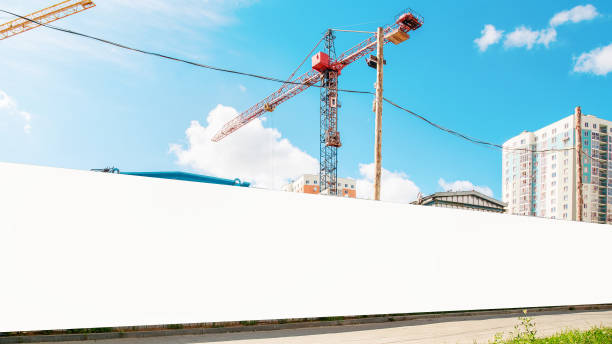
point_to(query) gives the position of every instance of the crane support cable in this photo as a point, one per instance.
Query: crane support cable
(263, 77)
(306, 58)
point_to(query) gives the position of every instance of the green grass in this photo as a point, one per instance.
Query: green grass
(525, 333)
(597, 335)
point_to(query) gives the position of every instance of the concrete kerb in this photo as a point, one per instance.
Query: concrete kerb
(271, 325)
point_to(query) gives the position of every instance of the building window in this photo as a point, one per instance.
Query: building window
(308, 182)
(586, 124)
(353, 186)
(315, 182)
(594, 126)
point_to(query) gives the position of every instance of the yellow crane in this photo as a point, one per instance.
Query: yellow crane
(44, 16)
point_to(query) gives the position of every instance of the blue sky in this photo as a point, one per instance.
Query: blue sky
(69, 102)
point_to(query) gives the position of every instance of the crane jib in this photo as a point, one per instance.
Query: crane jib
(397, 32)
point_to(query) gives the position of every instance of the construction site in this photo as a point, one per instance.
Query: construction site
(119, 224)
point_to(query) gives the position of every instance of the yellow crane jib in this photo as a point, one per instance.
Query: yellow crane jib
(44, 16)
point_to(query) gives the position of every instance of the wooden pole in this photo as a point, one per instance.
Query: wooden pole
(378, 109)
(578, 119)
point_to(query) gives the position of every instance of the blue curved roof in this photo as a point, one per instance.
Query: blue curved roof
(191, 177)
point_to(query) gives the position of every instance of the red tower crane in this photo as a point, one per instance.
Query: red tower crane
(326, 67)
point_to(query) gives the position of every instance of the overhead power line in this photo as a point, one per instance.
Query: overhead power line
(193, 63)
(263, 77)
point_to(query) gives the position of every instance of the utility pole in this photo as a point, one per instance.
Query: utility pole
(578, 118)
(378, 109)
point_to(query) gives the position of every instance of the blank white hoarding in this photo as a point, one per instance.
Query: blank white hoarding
(82, 249)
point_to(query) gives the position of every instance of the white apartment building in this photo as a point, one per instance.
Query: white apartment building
(543, 183)
(309, 183)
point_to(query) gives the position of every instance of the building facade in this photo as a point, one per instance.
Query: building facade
(309, 183)
(470, 200)
(539, 171)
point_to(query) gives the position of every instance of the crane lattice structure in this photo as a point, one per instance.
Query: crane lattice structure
(44, 16)
(329, 139)
(326, 68)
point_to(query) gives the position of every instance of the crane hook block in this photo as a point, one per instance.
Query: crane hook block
(332, 139)
(268, 108)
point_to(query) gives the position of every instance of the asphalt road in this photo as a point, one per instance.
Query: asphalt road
(457, 330)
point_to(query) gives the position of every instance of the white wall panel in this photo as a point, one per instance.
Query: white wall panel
(85, 249)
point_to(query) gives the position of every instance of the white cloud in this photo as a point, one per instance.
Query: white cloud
(526, 37)
(395, 186)
(489, 36)
(521, 37)
(256, 154)
(174, 24)
(547, 36)
(597, 61)
(9, 106)
(207, 13)
(575, 15)
(464, 185)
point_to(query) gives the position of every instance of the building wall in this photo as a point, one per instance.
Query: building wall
(309, 183)
(544, 184)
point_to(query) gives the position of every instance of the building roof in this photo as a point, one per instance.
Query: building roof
(462, 193)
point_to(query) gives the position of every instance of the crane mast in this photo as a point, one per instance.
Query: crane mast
(326, 68)
(329, 139)
(44, 16)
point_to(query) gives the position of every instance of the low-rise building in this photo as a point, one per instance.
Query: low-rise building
(470, 200)
(309, 183)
